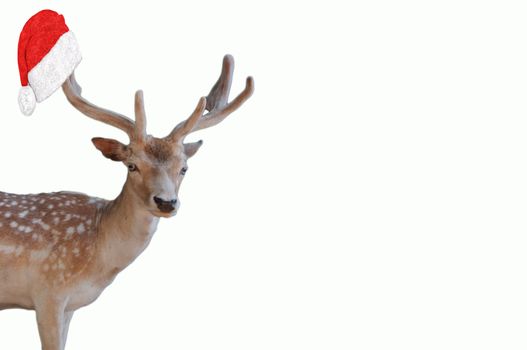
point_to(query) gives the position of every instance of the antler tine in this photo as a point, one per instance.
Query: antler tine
(77, 88)
(219, 94)
(217, 100)
(185, 127)
(140, 117)
(72, 90)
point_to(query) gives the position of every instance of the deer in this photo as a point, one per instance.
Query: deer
(60, 250)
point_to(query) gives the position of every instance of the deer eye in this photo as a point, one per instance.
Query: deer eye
(183, 171)
(132, 167)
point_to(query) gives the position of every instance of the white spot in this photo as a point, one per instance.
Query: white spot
(19, 250)
(50, 206)
(41, 223)
(70, 230)
(81, 228)
(14, 203)
(7, 214)
(39, 254)
(23, 214)
(7, 249)
(76, 251)
(28, 229)
(42, 201)
(67, 217)
(88, 222)
(21, 228)
(13, 224)
(32, 208)
(56, 220)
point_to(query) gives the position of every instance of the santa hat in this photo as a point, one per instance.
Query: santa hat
(47, 55)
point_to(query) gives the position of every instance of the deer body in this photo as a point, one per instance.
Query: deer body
(59, 251)
(65, 247)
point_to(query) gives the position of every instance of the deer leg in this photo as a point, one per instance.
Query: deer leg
(65, 327)
(51, 320)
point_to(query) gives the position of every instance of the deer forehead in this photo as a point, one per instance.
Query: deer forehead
(159, 151)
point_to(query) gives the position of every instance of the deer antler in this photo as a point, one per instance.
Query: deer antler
(135, 131)
(217, 101)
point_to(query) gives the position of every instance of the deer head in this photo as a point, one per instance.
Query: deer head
(156, 166)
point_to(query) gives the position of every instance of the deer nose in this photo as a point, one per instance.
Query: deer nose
(164, 205)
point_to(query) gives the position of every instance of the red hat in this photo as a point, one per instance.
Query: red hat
(47, 55)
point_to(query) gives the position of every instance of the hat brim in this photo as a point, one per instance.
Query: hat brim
(56, 66)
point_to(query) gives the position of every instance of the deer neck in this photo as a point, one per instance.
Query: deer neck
(126, 228)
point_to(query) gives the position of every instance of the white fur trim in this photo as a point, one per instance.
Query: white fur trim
(27, 100)
(53, 70)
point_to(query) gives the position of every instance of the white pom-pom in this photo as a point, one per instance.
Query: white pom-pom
(27, 100)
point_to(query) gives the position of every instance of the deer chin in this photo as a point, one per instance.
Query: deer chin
(161, 214)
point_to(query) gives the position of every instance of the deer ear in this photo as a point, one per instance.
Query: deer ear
(192, 148)
(111, 148)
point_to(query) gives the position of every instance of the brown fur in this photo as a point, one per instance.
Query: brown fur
(54, 230)
(159, 150)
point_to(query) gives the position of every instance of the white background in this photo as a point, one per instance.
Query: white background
(371, 195)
